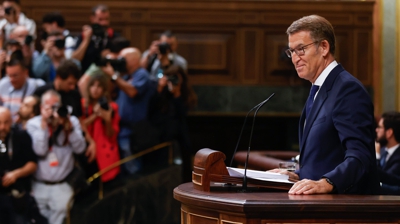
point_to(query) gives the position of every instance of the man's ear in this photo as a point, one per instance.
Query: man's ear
(325, 47)
(389, 133)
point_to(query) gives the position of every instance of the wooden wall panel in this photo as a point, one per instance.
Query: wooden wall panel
(230, 42)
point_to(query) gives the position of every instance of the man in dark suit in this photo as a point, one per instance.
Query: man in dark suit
(388, 136)
(336, 130)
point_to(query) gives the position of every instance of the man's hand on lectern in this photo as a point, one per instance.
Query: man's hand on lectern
(306, 186)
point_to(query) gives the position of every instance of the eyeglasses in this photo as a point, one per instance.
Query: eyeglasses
(299, 51)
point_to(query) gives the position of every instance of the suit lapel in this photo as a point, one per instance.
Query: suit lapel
(319, 101)
(393, 157)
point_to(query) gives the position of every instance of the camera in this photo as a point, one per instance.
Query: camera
(118, 64)
(174, 79)
(98, 30)
(62, 111)
(59, 43)
(9, 10)
(28, 40)
(103, 102)
(164, 47)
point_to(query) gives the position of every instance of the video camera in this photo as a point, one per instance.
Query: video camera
(118, 64)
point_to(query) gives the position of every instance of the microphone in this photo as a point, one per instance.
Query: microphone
(245, 119)
(244, 185)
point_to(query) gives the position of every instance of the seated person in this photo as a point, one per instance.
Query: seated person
(55, 22)
(56, 136)
(388, 137)
(100, 122)
(45, 65)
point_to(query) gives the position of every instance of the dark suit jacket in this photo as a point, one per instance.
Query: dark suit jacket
(337, 140)
(390, 172)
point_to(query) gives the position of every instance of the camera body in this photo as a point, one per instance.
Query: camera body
(98, 30)
(164, 47)
(174, 79)
(62, 111)
(59, 43)
(9, 10)
(103, 102)
(118, 64)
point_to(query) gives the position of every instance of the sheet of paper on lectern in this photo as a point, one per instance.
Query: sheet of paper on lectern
(259, 175)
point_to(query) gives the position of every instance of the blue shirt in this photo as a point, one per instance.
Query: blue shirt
(133, 110)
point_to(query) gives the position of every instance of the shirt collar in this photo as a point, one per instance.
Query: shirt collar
(391, 150)
(321, 78)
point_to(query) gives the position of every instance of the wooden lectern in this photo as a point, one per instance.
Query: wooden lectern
(209, 166)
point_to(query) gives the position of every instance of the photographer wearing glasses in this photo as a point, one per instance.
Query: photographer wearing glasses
(45, 65)
(161, 54)
(56, 136)
(95, 38)
(14, 17)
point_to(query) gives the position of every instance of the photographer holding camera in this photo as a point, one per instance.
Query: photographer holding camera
(17, 164)
(14, 17)
(56, 136)
(45, 65)
(161, 54)
(95, 38)
(100, 122)
(135, 90)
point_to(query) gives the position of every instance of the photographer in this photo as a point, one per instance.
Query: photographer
(161, 54)
(56, 137)
(168, 110)
(14, 17)
(67, 75)
(100, 123)
(95, 38)
(45, 65)
(55, 22)
(17, 163)
(134, 92)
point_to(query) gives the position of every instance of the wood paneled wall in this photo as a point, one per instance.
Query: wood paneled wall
(230, 42)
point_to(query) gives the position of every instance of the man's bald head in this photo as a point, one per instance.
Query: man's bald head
(19, 34)
(5, 122)
(132, 56)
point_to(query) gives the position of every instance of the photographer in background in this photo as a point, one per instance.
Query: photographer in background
(55, 22)
(134, 92)
(14, 17)
(64, 83)
(45, 65)
(117, 44)
(168, 110)
(56, 137)
(100, 122)
(161, 54)
(95, 38)
(17, 164)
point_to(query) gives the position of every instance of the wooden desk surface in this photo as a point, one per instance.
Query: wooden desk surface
(272, 205)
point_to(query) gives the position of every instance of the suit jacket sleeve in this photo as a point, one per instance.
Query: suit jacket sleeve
(353, 119)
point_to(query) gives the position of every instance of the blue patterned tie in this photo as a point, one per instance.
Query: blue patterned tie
(310, 100)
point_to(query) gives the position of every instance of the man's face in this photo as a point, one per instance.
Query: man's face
(50, 27)
(381, 133)
(311, 64)
(48, 107)
(17, 75)
(54, 51)
(67, 84)
(5, 124)
(26, 108)
(20, 35)
(101, 18)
